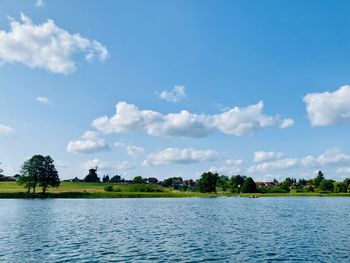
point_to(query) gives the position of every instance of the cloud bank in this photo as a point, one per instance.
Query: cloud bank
(236, 121)
(181, 156)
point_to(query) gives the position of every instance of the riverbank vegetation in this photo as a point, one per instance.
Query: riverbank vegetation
(40, 171)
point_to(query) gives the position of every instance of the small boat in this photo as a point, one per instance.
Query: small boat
(253, 196)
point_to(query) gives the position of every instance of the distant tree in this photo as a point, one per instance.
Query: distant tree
(105, 179)
(237, 182)
(326, 185)
(340, 187)
(347, 182)
(115, 179)
(92, 176)
(207, 182)
(223, 182)
(275, 181)
(138, 180)
(318, 179)
(301, 182)
(39, 170)
(1, 170)
(249, 186)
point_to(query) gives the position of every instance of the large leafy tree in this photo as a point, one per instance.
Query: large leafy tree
(207, 182)
(249, 186)
(39, 170)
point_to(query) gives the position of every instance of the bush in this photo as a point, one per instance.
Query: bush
(108, 188)
(144, 188)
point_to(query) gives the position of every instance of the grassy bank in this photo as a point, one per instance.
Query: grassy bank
(96, 190)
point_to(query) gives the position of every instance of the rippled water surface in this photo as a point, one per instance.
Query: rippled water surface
(287, 229)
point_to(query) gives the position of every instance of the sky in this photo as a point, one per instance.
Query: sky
(176, 88)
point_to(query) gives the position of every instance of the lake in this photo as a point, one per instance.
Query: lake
(226, 229)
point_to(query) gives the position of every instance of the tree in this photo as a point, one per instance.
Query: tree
(326, 185)
(1, 170)
(115, 179)
(39, 170)
(207, 182)
(236, 183)
(92, 176)
(105, 179)
(223, 182)
(249, 186)
(340, 187)
(138, 180)
(318, 179)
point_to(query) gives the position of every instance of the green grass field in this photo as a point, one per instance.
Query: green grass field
(96, 190)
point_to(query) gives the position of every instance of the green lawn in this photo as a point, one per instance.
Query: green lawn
(96, 190)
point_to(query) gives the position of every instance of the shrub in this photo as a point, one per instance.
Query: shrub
(108, 188)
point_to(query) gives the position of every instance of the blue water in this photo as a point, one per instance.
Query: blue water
(286, 229)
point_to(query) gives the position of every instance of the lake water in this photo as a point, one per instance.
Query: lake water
(231, 229)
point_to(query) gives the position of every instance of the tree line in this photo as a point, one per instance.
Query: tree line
(40, 171)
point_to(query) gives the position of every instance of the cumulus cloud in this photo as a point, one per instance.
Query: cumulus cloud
(328, 108)
(273, 165)
(330, 157)
(6, 130)
(107, 166)
(43, 100)
(236, 121)
(46, 46)
(88, 143)
(231, 167)
(181, 156)
(344, 170)
(134, 151)
(262, 156)
(175, 95)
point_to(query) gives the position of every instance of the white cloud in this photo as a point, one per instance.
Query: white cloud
(262, 156)
(330, 160)
(234, 162)
(135, 151)
(231, 167)
(328, 108)
(286, 123)
(225, 170)
(181, 156)
(107, 166)
(6, 130)
(46, 46)
(344, 170)
(40, 3)
(330, 157)
(89, 143)
(273, 165)
(175, 95)
(236, 121)
(43, 100)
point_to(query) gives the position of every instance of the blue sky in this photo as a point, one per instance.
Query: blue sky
(251, 87)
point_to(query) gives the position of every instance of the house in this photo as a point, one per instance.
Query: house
(152, 180)
(266, 184)
(177, 182)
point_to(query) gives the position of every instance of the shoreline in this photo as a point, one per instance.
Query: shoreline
(98, 195)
